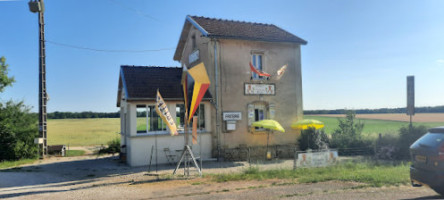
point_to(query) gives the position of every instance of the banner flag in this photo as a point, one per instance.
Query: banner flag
(164, 113)
(281, 72)
(194, 133)
(260, 73)
(197, 85)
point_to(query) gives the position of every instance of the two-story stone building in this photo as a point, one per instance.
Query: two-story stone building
(237, 96)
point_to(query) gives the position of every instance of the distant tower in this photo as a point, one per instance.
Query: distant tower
(37, 6)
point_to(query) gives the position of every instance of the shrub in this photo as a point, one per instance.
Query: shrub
(113, 147)
(17, 132)
(312, 139)
(408, 135)
(349, 133)
(385, 147)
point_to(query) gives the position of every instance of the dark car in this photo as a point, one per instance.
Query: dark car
(428, 160)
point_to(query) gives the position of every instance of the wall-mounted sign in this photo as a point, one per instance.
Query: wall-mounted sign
(193, 56)
(230, 116)
(263, 89)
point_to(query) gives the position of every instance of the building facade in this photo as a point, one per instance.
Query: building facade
(236, 98)
(227, 47)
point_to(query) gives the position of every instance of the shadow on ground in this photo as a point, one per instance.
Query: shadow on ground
(64, 176)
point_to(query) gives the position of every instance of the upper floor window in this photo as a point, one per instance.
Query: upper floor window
(257, 60)
(193, 42)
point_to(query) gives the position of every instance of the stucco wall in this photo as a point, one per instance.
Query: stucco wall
(141, 148)
(232, 58)
(235, 72)
(138, 145)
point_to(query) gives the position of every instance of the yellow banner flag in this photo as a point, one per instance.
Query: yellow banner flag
(164, 113)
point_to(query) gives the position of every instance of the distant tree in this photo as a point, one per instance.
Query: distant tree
(18, 127)
(5, 80)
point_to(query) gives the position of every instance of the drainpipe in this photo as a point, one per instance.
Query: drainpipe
(216, 78)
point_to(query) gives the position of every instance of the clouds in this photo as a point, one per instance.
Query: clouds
(440, 61)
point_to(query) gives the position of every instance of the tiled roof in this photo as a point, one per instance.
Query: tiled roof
(229, 29)
(245, 30)
(142, 82)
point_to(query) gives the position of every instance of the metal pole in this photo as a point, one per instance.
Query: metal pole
(42, 84)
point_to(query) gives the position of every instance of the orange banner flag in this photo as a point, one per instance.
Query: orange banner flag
(194, 130)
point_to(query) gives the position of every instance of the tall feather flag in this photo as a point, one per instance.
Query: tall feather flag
(197, 84)
(164, 113)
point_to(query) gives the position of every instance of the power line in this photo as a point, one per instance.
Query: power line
(107, 50)
(139, 12)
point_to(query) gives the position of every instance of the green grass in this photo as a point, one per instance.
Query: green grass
(141, 124)
(82, 132)
(72, 153)
(375, 175)
(371, 126)
(10, 164)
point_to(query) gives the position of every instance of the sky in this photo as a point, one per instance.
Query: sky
(358, 53)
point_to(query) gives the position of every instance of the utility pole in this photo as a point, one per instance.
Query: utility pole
(37, 6)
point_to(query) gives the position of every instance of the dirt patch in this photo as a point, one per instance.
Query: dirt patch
(419, 117)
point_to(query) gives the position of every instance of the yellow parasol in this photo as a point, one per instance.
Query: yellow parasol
(307, 123)
(269, 124)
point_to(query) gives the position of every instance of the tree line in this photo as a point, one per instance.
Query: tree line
(82, 115)
(90, 114)
(427, 109)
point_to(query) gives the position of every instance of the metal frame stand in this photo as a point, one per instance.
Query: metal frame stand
(187, 153)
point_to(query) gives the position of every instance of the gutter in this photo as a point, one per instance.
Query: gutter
(195, 24)
(216, 78)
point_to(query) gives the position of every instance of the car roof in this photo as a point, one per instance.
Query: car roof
(439, 129)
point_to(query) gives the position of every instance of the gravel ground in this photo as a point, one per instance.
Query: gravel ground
(90, 177)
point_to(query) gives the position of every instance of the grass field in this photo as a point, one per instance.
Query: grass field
(373, 174)
(371, 126)
(10, 164)
(86, 132)
(72, 153)
(83, 132)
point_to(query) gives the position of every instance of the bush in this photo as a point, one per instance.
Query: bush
(312, 139)
(113, 147)
(349, 133)
(18, 128)
(407, 136)
(392, 147)
(385, 147)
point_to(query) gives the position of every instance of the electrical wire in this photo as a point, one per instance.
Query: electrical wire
(139, 12)
(107, 50)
